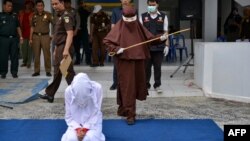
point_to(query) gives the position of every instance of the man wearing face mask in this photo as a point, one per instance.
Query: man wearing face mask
(157, 23)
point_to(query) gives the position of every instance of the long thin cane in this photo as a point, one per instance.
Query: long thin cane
(6, 106)
(138, 44)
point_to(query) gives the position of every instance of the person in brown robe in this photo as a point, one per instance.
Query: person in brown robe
(131, 62)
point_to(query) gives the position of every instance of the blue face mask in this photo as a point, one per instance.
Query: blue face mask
(151, 9)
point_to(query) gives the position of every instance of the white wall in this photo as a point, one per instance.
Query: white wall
(142, 6)
(222, 70)
(47, 4)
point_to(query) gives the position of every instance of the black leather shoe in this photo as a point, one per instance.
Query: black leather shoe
(101, 65)
(88, 62)
(48, 74)
(49, 98)
(23, 65)
(14, 76)
(3, 76)
(77, 63)
(148, 86)
(94, 65)
(28, 66)
(36, 74)
(113, 87)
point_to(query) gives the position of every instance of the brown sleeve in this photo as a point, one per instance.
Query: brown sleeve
(92, 19)
(51, 19)
(111, 45)
(32, 23)
(68, 22)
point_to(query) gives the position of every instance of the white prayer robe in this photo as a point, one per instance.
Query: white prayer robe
(83, 99)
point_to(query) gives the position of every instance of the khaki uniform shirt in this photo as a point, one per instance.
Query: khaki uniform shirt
(101, 22)
(40, 23)
(75, 15)
(63, 24)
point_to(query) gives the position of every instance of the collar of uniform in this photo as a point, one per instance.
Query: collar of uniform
(99, 13)
(59, 14)
(154, 15)
(9, 13)
(39, 14)
(159, 13)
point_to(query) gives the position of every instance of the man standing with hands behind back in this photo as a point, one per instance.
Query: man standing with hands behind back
(9, 31)
(63, 37)
(157, 23)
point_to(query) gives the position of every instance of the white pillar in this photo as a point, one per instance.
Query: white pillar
(210, 12)
(142, 6)
(1, 6)
(47, 4)
(74, 3)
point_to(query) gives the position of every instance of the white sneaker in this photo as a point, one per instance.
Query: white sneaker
(158, 89)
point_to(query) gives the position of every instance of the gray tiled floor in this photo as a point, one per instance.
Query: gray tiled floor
(180, 99)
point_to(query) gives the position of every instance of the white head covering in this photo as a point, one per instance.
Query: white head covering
(84, 90)
(83, 99)
(97, 8)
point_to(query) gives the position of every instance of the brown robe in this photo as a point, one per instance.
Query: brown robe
(130, 64)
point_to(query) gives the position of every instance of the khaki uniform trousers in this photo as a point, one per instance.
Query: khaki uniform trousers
(98, 48)
(41, 42)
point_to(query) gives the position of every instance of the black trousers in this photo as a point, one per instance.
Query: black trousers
(115, 79)
(156, 62)
(82, 38)
(53, 87)
(9, 49)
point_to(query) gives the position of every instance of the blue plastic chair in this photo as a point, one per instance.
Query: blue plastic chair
(171, 57)
(179, 44)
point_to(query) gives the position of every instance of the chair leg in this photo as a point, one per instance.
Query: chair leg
(172, 56)
(180, 54)
(186, 52)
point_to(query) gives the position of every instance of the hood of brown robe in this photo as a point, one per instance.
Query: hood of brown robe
(125, 34)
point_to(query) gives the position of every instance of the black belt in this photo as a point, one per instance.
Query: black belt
(40, 34)
(8, 36)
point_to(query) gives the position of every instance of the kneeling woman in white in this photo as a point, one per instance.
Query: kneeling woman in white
(83, 99)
